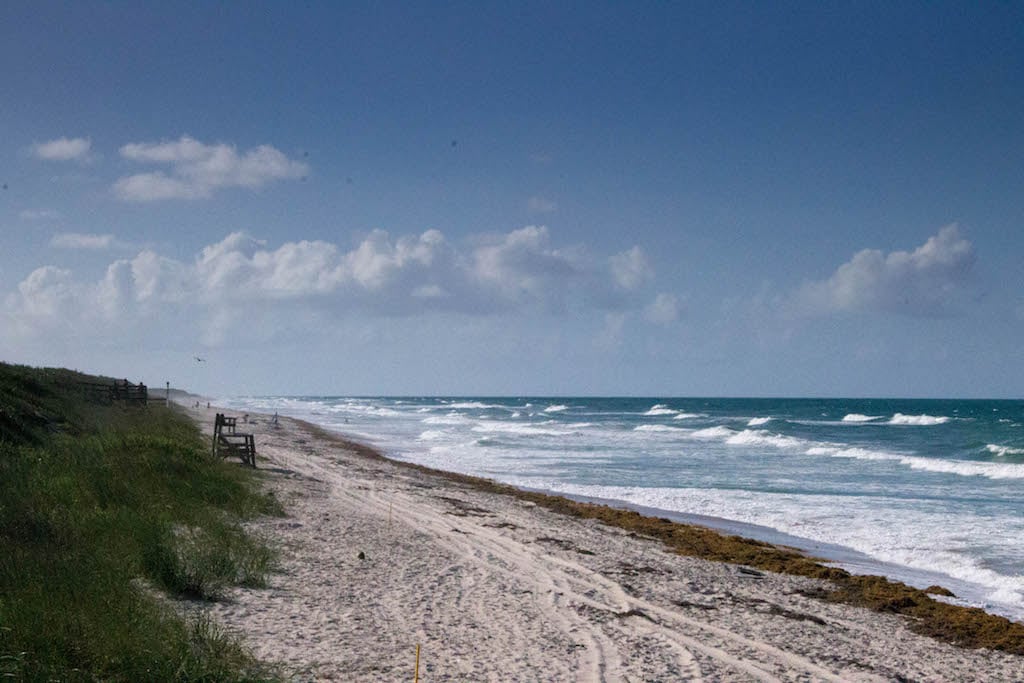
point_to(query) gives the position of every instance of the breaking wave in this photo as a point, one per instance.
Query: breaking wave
(918, 420)
(660, 409)
(857, 417)
(964, 468)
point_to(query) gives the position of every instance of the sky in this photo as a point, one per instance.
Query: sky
(600, 198)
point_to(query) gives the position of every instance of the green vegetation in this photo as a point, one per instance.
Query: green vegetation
(963, 626)
(100, 506)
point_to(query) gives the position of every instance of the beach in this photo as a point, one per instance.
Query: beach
(379, 559)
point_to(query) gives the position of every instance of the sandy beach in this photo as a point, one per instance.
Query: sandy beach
(379, 558)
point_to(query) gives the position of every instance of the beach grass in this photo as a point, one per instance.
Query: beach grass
(926, 615)
(102, 508)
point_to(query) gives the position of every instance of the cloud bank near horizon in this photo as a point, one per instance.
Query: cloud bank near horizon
(518, 271)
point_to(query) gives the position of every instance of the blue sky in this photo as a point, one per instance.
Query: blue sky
(598, 198)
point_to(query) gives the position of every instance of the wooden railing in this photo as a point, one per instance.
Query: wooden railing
(119, 390)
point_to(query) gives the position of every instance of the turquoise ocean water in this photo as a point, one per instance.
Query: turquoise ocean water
(925, 491)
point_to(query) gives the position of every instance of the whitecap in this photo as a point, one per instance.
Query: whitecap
(660, 409)
(451, 419)
(710, 433)
(491, 427)
(658, 428)
(857, 417)
(964, 468)
(760, 437)
(996, 449)
(918, 420)
(758, 421)
(687, 416)
(556, 408)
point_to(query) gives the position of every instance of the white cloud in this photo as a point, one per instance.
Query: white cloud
(63, 149)
(523, 267)
(381, 276)
(76, 240)
(924, 282)
(196, 169)
(663, 310)
(38, 214)
(45, 293)
(541, 205)
(630, 268)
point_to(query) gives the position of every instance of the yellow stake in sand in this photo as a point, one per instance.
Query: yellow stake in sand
(416, 679)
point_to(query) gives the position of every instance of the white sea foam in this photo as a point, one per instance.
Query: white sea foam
(450, 419)
(918, 420)
(761, 437)
(914, 539)
(472, 405)
(432, 435)
(747, 437)
(659, 428)
(556, 408)
(660, 409)
(1002, 451)
(857, 417)
(758, 421)
(712, 433)
(688, 416)
(496, 427)
(964, 468)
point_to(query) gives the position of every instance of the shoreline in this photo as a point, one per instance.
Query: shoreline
(572, 575)
(828, 554)
(917, 543)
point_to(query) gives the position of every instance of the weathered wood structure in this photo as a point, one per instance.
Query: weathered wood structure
(122, 391)
(227, 441)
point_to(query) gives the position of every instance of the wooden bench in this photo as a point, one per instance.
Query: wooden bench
(228, 442)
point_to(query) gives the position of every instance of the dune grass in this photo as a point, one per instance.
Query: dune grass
(98, 506)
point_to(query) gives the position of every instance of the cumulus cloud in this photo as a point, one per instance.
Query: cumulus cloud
(381, 275)
(195, 170)
(630, 268)
(76, 240)
(923, 282)
(523, 266)
(663, 310)
(63, 149)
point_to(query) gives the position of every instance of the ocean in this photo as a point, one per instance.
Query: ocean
(923, 491)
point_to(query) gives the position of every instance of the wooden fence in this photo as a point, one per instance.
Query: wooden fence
(121, 391)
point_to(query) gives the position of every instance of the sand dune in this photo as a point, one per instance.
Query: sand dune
(379, 558)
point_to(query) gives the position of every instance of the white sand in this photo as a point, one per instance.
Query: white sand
(496, 589)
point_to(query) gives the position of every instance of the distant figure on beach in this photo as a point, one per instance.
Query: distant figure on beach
(207, 405)
(275, 417)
